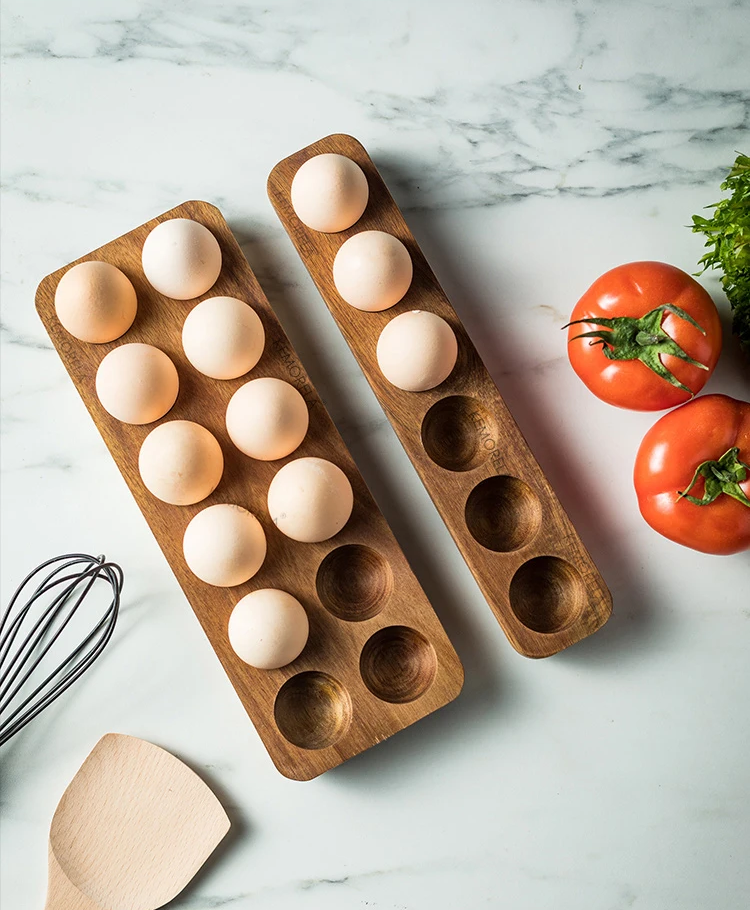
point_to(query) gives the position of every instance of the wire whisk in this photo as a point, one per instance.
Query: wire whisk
(33, 622)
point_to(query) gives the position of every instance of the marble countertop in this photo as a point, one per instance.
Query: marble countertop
(532, 146)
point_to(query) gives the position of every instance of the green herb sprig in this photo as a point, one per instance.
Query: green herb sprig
(728, 242)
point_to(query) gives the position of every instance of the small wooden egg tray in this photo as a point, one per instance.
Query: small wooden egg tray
(377, 658)
(520, 545)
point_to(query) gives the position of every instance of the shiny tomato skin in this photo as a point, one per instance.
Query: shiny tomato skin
(702, 430)
(633, 290)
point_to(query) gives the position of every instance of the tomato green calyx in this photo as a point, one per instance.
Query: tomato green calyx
(644, 339)
(722, 476)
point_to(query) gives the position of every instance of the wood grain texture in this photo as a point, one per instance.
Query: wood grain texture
(323, 704)
(520, 545)
(133, 827)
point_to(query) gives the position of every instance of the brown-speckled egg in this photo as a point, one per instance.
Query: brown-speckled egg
(95, 302)
(180, 462)
(310, 499)
(181, 258)
(137, 383)
(224, 545)
(372, 271)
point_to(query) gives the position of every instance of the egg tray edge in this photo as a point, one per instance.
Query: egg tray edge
(336, 647)
(537, 576)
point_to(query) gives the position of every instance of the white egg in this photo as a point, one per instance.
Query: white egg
(268, 629)
(224, 545)
(181, 258)
(329, 193)
(180, 462)
(223, 337)
(372, 271)
(137, 383)
(95, 302)
(417, 351)
(310, 500)
(267, 418)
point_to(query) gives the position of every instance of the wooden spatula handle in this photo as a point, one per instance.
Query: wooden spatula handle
(62, 894)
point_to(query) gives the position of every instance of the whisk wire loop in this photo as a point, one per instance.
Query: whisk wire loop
(68, 590)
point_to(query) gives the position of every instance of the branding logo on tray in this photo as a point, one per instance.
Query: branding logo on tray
(295, 373)
(486, 439)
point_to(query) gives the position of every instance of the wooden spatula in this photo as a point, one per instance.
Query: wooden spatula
(132, 829)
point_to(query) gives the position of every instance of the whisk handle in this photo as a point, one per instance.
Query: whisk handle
(62, 894)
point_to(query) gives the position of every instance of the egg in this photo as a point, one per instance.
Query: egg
(181, 258)
(310, 500)
(95, 302)
(267, 418)
(137, 383)
(224, 545)
(180, 462)
(417, 351)
(372, 271)
(268, 629)
(223, 337)
(329, 193)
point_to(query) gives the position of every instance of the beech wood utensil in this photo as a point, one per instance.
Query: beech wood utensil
(525, 554)
(377, 658)
(132, 829)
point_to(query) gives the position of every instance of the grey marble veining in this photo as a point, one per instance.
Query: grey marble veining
(532, 144)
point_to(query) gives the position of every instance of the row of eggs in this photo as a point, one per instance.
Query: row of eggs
(372, 271)
(181, 462)
(223, 337)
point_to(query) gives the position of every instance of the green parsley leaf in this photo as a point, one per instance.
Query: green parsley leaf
(728, 243)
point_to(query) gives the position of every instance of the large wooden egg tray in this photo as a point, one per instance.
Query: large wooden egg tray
(377, 658)
(520, 545)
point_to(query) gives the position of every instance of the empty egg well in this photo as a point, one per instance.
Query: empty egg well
(313, 710)
(354, 582)
(547, 594)
(459, 433)
(398, 664)
(503, 513)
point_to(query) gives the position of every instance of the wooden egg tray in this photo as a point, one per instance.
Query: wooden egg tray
(520, 545)
(377, 658)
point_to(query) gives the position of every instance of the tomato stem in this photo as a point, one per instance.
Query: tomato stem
(722, 476)
(644, 339)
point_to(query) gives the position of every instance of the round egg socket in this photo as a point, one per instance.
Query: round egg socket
(329, 193)
(372, 271)
(181, 259)
(459, 433)
(503, 513)
(95, 302)
(268, 629)
(547, 594)
(180, 462)
(354, 582)
(267, 418)
(137, 383)
(313, 710)
(398, 664)
(417, 351)
(310, 500)
(223, 337)
(224, 545)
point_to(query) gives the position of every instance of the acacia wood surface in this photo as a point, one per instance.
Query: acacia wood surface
(327, 711)
(524, 552)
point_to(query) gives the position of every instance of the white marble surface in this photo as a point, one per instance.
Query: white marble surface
(532, 145)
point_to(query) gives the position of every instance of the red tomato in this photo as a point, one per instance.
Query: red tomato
(711, 437)
(646, 364)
